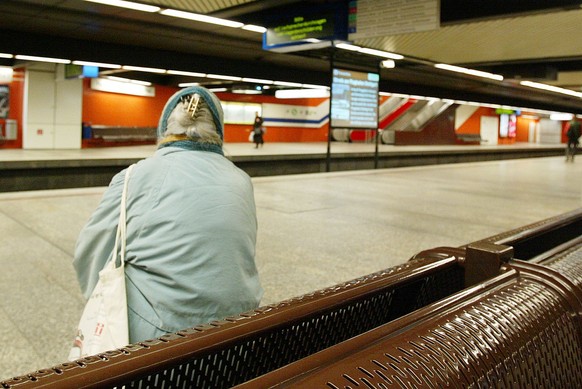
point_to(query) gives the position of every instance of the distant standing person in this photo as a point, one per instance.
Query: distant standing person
(573, 134)
(258, 131)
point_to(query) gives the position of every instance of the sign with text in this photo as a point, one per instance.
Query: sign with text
(354, 99)
(306, 27)
(301, 28)
(375, 18)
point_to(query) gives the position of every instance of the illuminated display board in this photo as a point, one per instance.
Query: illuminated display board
(306, 27)
(300, 28)
(354, 99)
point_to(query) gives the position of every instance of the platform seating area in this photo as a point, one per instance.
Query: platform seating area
(505, 311)
(469, 139)
(121, 133)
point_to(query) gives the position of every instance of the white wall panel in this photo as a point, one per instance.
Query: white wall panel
(490, 129)
(67, 136)
(68, 113)
(53, 110)
(550, 131)
(39, 111)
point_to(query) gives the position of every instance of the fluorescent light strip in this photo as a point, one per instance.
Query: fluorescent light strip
(129, 80)
(252, 27)
(201, 18)
(221, 77)
(182, 73)
(128, 4)
(471, 72)
(41, 59)
(257, 80)
(551, 88)
(380, 53)
(301, 93)
(218, 90)
(246, 91)
(187, 84)
(142, 69)
(365, 50)
(181, 14)
(3, 55)
(313, 86)
(558, 116)
(98, 64)
(345, 46)
(285, 83)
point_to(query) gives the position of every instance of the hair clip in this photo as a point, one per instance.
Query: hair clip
(191, 104)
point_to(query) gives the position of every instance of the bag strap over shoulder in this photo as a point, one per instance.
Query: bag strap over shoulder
(120, 237)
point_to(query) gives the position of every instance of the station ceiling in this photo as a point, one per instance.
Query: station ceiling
(521, 40)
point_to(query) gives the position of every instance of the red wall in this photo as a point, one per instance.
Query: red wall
(522, 129)
(473, 124)
(102, 108)
(113, 109)
(16, 110)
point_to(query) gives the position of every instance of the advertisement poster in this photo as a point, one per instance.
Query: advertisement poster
(4, 101)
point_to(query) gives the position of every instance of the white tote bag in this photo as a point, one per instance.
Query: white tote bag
(103, 325)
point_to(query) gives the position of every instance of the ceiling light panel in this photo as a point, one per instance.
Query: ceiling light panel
(201, 6)
(98, 64)
(188, 74)
(223, 77)
(143, 69)
(41, 59)
(201, 18)
(128, 5)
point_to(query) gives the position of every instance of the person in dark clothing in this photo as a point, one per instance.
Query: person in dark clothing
(573, 134)
(258, 131)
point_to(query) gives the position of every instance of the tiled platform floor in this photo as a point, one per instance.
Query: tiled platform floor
(315, 230)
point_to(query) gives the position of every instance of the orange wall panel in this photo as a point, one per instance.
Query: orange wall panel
(16, 109)
(113, 109)
(522, 129)
(473, 124)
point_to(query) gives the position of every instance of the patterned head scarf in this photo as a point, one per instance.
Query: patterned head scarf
(209, 97)
(188, 94)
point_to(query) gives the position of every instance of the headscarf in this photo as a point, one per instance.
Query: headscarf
(182, 141)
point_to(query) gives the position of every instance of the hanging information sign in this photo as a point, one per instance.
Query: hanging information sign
(375, 18)
(306, 29)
